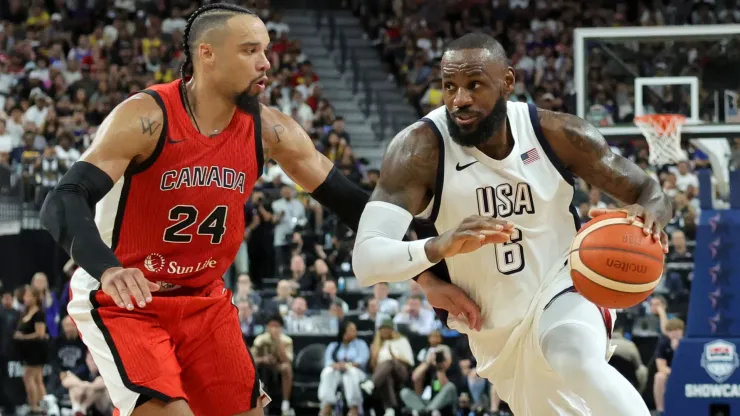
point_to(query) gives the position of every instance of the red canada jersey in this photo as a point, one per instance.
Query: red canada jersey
(179, 215)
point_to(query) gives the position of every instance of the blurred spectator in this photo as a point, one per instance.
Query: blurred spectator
(684, 177)
(298, 278)
(325, 299)
(434, 357)
(65, 153)
(387, 305)
(31, 344)
(667, 345)
(337, 314)
(415, 290)
(246, 317)
(273, 354)
(391, 359)
(297, 322)
(372, 313)
(627, 352)
(345, 361)
(244, 291)
(281, 303)
(415, 317)
(288, 212)
(87, 393)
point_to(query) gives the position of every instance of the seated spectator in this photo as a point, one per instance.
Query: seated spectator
(415, 290)
(337, 313)
(87, 393)
(282, 301)
(299, 280)
(391, 358)
(345, 361)
(273, 354)
(246, 317)
(419, 320)
(679, 251)
(664, 358)
(244, 290)
(372, 313)
(387, 305)
(326, 297)
(431, 358)
(297, 322)
(70, 351)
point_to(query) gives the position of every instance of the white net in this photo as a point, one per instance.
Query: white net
(663, 134)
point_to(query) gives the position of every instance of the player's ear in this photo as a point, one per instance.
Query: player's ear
(509, 81)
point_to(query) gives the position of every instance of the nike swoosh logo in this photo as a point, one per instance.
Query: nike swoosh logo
(408, 246)
(459, 168)
(173, 141)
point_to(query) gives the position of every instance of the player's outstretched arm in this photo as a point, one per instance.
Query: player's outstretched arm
(407, 175)
(287, 143)
(585, 152)
(129, 134)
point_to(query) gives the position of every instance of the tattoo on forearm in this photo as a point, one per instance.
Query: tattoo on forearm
(278, 129)
(149, 126)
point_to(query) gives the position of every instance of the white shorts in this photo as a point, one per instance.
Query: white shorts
(520, 372)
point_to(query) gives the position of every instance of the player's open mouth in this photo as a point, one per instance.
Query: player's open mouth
(262, 83)
(466, 119)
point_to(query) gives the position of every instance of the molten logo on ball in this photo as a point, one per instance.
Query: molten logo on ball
(626, 266)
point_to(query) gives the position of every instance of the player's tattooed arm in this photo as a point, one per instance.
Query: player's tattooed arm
(287, 143)
(409, 169)
(585, 152)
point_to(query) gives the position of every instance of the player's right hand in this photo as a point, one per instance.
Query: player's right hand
(473, 232)
(123, 284)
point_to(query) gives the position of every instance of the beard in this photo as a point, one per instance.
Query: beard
(248, 102)
(471, 136)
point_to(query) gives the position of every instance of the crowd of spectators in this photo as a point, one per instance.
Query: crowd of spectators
(65, 65)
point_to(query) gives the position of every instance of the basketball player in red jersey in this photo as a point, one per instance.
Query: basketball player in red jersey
(153, 215)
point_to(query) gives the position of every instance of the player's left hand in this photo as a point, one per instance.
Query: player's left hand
(637, 213)
(444, 295)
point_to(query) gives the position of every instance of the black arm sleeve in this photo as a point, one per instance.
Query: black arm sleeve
(343, 197)
(68, 214)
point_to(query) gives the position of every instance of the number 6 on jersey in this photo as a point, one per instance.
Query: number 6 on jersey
(510, 256)
(186, 215)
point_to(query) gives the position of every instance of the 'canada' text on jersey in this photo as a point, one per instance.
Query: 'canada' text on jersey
(179, 215)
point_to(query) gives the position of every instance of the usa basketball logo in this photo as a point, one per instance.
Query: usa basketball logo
(154, 262)
(720, 360)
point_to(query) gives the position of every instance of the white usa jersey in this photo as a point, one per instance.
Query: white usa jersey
(529, 188)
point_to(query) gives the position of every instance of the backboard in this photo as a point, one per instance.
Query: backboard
(622, 72)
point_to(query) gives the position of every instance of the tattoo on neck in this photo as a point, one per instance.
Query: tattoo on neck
(149, 126)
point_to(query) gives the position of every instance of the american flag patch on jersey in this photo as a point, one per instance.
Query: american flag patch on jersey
(530, 156)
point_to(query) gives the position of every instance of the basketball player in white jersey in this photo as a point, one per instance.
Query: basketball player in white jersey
(495, 178)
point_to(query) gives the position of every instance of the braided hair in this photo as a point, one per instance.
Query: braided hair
(199, 20)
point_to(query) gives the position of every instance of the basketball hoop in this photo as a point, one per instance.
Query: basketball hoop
(663, 134)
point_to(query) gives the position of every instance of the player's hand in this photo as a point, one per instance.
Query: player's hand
(445, 295)
(638, 213)
(123, 284)
(472, 233)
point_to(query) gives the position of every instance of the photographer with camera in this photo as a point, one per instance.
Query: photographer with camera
(434, 394)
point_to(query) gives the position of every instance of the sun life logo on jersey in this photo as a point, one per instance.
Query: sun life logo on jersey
(154, 262)
(720, 359)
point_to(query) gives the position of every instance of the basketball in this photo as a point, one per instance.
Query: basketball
(613, 263)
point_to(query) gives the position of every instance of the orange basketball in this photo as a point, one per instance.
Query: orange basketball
(613, 263)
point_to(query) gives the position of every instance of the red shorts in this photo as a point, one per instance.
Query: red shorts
(186, 344)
